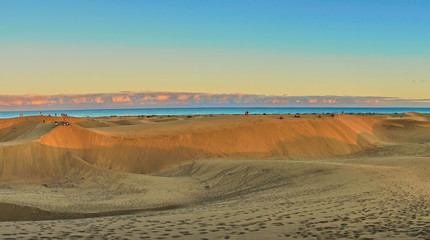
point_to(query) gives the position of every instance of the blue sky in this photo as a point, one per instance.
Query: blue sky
(296, 48)
(338, 27)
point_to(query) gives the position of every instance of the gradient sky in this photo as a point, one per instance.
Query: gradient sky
(296, 48)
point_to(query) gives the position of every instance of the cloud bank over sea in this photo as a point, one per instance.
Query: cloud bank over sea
(187, 99)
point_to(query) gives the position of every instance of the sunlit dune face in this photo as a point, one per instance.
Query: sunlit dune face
(237, 134)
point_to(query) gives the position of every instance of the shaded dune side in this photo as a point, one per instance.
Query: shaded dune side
(403, 130)
(35, 162)
(15, 212)
(56, 152)
(24, 131)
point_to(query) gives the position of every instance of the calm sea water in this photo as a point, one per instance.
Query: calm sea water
(196, 111)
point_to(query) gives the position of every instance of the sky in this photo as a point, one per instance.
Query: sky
(357, 48)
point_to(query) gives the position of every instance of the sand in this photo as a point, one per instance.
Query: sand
(216, 177)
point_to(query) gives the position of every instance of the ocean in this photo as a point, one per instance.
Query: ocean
(203, 111)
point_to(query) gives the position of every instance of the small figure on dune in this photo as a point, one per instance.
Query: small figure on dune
(297, 115)
(332, 115)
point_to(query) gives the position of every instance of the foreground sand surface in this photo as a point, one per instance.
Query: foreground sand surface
(216, 177)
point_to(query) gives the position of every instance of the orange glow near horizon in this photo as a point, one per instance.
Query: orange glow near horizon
(82, 70)
(181, 99)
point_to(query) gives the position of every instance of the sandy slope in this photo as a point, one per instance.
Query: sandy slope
(231, 177)
(141, 147)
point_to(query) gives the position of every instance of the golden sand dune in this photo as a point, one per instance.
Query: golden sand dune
(245, 177)
(149, 147)
(31, 149)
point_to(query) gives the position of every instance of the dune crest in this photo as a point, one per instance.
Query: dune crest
(43, 151)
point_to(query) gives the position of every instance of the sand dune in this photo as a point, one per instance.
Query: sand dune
(150, 147)
(24, 132)
(245, 177)
(31, 149)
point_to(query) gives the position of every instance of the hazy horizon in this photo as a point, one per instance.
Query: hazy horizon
(122, 100)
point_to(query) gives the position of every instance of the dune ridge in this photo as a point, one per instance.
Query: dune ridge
(42, 151)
